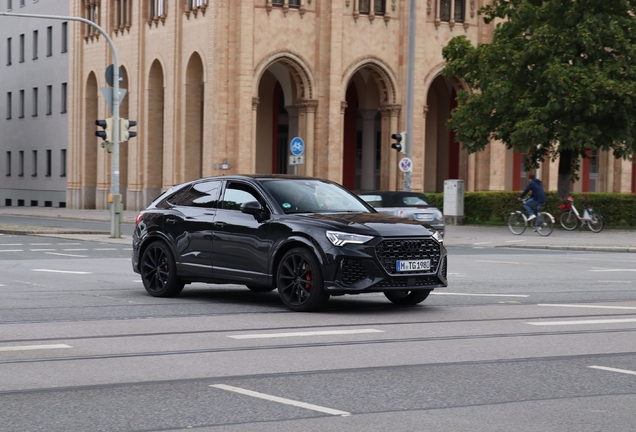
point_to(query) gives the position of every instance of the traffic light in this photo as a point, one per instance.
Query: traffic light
(398, 137)
(124, 133)
(107, 133)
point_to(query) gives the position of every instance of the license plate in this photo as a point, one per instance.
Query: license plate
(424, 217)
(413, 265)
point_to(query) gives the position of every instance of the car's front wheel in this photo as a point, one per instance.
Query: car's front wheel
(159, 271)
(299, 281)
(407, 297)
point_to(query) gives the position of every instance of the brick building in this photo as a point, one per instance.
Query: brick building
(214, 82)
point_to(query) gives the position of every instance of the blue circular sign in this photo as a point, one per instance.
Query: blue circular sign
(297, 146)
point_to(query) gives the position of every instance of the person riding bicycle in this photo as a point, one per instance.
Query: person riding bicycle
(537, 198)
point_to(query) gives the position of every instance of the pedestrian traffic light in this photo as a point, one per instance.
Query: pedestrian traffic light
(124, 129)
(398, 137)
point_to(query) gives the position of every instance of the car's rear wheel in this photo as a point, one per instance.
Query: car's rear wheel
(299, 281)
(260, 288)
(159, 271)
(407, 297)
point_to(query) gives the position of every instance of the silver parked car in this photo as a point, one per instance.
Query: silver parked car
(413, 205)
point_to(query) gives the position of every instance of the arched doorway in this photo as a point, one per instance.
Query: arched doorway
(192, 167)
(443, 158)
(153, 157)
(91, 144)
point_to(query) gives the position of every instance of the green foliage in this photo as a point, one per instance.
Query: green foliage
(493, 208)
(557, 76)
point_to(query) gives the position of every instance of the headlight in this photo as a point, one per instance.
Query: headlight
(437, 236)
(341, 239)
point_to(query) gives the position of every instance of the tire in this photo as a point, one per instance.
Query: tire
(568, 220)
(407, 298)
(596, 222)
(517, 223)
(260, 288)
(300, 282)
(545, 226)
(159, 271)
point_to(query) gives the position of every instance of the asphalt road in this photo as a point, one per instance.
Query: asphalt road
(522, 339)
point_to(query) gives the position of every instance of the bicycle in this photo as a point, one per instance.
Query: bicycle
(571, 218)
(518, 222)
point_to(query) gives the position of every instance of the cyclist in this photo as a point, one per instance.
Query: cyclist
(536, 200)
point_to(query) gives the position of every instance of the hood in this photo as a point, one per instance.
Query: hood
(378, 224)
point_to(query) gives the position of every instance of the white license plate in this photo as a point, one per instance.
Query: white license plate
(424, 217)
(413, 265)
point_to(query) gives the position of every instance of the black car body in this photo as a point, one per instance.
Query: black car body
(249, 230)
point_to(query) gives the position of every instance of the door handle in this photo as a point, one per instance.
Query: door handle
(219, 224)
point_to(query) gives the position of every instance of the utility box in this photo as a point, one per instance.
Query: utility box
(454, 202)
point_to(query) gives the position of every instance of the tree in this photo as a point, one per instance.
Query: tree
(558, 78)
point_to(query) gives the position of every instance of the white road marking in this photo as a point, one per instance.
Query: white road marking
(63, 254)
(613, 270)
(481, 295)
(583, 322)
(315, 333)
(282, 400)
(74, 250)
(12, 244)
(482, 243)
(41, 244)
(41, 250)
(34, 347)
(501, 262)
(60, 271)
(588, 306)
(12, 250)
(625, 371)
(514, 241)
(68, 244)
(105, 249)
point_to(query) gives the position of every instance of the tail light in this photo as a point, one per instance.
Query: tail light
(138, 219)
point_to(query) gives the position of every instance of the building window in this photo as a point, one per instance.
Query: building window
(594, 164)
(35, 163)
(452, 8)
(194, 6)
(35, 44)
(64, 37)
(48, 163)
(22, 48)
(21, 107)
(294, 3)
(122, 14)
(49, 41)
(9, 5)
(365, 7)
(21, 3)
(157, 12)
(35, 101)
(63, 163)
(8, 164)
(63, 98)
(91, 13)
(49, 100)
(8, 51)
(8, 105)
(21, 163)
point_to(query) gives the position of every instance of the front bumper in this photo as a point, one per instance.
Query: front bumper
(358, 269)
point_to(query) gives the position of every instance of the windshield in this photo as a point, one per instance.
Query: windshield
(312, 196)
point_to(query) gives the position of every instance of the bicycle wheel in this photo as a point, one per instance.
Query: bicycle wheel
(596, 222)
(568, 220)
(545, 225)
(517, 223)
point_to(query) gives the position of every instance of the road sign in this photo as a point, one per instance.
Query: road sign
(297, 146)
(297, 160)
(108, 95)
(406, 165)
(110, 71)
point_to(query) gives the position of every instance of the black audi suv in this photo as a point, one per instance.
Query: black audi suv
(309, 238)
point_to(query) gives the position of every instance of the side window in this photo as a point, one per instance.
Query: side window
(203, 194)
(237, 194)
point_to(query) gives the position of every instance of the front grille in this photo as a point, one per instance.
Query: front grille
(353, 271)
(390, 251)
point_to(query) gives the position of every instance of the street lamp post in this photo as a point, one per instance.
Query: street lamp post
(408, 147)
(115, 199)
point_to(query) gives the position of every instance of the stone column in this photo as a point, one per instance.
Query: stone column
(255, 102)
(367, 177)
(307, 113)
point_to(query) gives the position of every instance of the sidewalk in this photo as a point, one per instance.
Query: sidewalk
(456, 235)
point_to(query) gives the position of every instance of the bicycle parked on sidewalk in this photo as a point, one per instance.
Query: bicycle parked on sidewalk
(518, 221)
(571, 219)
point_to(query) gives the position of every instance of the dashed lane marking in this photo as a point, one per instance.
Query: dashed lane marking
(60, 271)
(605, 368)
(63, 254)
(34, 347)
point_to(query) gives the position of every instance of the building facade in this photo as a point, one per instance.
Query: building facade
(223, 86)
(34, 66)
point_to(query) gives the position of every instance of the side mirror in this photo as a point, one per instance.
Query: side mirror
(252, 207)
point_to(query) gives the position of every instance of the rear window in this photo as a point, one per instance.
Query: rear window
(415, 201)
(374, 200)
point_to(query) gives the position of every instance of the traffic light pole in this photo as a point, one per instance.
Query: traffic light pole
(408, 147)
(114, 199)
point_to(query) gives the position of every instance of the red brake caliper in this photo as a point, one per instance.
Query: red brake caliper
(308, 277)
